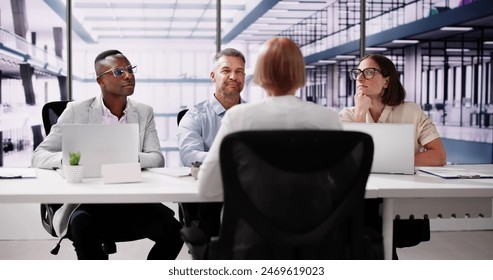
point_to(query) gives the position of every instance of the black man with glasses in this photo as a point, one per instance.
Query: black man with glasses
(380, 99)
(90, 225)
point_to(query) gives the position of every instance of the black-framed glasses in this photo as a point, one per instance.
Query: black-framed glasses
(119, 70)
(368, 73)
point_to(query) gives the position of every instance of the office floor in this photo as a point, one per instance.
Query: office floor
(467, 245)
(40, 250)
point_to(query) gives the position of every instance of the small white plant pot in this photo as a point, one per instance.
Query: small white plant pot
(73, 173)
(194, 171)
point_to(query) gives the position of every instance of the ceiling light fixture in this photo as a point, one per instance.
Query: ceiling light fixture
(325, 61)
(376, 49)
(488, 42)
(345, 57)
(456, 28)
(457, 50)
(405, 41)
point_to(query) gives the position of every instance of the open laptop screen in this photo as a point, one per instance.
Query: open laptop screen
(394, 146)
(100, 144)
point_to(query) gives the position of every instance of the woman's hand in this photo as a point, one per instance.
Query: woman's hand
(362, 106)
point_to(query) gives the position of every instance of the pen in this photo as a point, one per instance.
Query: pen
(469, 176)
(11, 177)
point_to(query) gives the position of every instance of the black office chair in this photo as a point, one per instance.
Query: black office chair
(187, 212)
(180, 116)
(291, 194)
(50, 113)
(427, 107)
(203, 215)
(441, 107)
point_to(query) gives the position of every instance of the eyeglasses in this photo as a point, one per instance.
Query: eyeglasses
(118, 71)
(368, 73)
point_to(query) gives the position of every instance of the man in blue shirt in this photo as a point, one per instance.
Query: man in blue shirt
(199, 126)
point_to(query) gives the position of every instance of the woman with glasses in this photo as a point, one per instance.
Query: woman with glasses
(380, 99)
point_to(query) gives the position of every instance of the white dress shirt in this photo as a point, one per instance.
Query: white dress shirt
(279, 112)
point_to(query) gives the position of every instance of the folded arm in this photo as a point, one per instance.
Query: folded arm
(434, 155)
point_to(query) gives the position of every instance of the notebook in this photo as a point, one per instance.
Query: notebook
(394, 146)
(458, 172)
(100, 144)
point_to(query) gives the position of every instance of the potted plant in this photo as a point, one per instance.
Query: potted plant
(73, 172)
(194, 170)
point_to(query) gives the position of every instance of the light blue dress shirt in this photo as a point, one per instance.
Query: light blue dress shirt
(198, 128)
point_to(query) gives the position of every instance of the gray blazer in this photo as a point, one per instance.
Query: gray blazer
(49, 153)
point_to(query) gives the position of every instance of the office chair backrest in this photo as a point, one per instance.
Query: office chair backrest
(180, 116)
(188, 213)
(293, 195)
(50, 113)
(440, 106)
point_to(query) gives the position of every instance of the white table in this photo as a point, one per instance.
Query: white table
(50, 187)
(424, 194)
(403, 195)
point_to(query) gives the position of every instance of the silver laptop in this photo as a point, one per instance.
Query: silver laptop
(100, 144)
(394, 146)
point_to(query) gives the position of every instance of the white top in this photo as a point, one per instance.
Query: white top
(279, 112)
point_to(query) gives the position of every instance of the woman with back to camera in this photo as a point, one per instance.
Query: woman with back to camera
(380, 99)
(280, 71)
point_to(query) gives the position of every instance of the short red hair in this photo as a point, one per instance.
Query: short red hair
(280, 67)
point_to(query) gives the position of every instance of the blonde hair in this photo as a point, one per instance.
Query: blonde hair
(280, 67)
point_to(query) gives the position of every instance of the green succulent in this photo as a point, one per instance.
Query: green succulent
(196, 163)
(74, 158)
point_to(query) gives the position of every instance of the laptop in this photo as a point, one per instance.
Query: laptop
(394, 146)
(100, 144)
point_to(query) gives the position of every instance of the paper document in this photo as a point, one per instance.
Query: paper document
(457, 172)
(17, 173)
(173, 171)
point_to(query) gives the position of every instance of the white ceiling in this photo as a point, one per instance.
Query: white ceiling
(96, 21)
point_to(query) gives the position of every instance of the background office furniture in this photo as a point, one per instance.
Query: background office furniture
(481, 118)
(427, 107)
(290, 194)
(441, 108)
